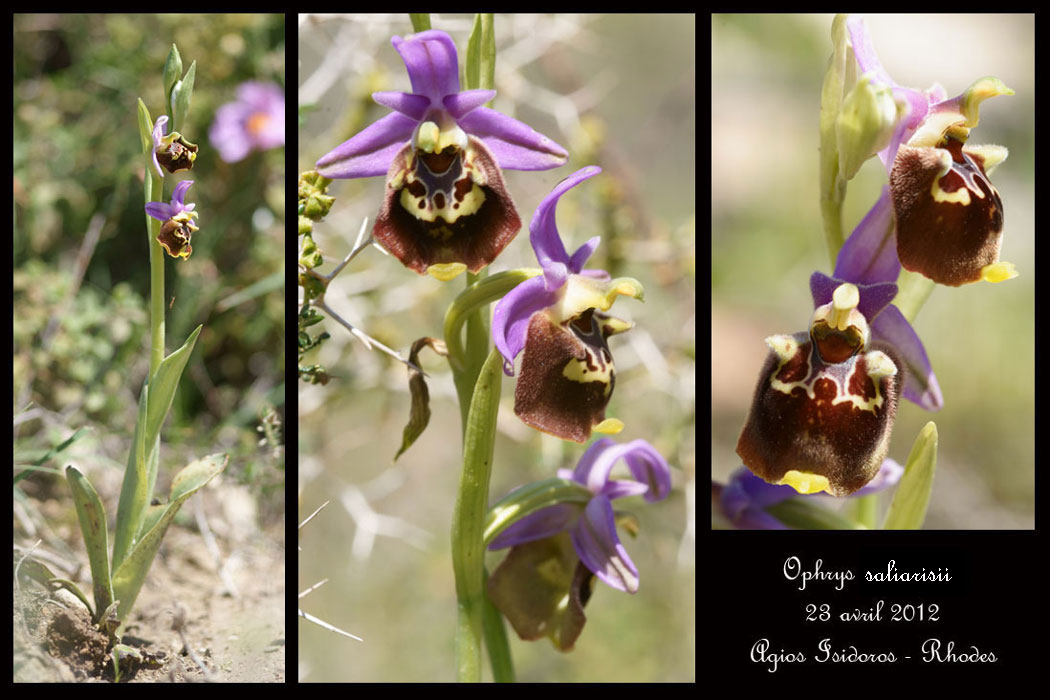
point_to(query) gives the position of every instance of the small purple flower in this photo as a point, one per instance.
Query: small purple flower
(592, 526)
(173, 151)
(446, 204)
(254, 121)
(178, 224)
(567, 373)
(545, 580)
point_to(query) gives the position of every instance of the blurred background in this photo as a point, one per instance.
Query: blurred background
(81, 261)
(617, 91)
(767, 239)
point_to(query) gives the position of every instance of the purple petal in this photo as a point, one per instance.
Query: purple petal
(873, 297)
(516, 145)
(870, 253)
(554, 275)
(463, 103)
(543, 230)
(864, 50)
(621, 488)
(432, 64)
(537, 526)
(158, 129)
(598, 546)
(586, 464)
(161, 211)
(412, 106)
(649, 467)
(179, 195)
(369, 152)
(510, 319)
(156, 165)
(583, 254)
(920, 383)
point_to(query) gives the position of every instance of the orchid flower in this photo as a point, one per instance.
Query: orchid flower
(949, 216)
(546, 579)
(826, 399)
(178, 224)
(558, 319)
(173, 151)
(446, 206)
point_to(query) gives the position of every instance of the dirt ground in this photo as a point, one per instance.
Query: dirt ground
(231, 607)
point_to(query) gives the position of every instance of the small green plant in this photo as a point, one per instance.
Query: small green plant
(142, 521)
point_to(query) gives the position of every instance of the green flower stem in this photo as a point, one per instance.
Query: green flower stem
(156, 278)
(495, 631)
(468, 520)
(478, 383)
(420, 21)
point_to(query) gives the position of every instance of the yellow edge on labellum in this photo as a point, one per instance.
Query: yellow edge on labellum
(998, 272)
(609, 426)
(446, 271)
(805, 482)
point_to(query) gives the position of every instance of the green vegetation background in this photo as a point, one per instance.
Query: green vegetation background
(629, 106)
(766, 239)
(81, 351)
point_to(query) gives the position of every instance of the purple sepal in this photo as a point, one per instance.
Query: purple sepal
(598, 546)
(369, 152)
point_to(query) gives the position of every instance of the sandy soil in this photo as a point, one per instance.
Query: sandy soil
(231, 608)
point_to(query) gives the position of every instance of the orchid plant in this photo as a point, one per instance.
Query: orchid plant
(823, 410)
(142, 520)
(446, 211)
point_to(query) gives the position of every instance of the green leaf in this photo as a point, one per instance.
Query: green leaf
(145, 128)
(163, 385)
(92, 518)
(908, 510)
(805, 514)
(128, 577)
(172, 71)
(182, 93)
(480, 70)
(135, 492)
(141, 473)
(49, 454)
(530, 498)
